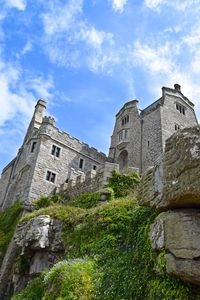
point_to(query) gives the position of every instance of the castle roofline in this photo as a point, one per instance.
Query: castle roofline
(129, 103)
(177, 89)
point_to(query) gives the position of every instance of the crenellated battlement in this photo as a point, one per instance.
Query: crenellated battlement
(90, 182)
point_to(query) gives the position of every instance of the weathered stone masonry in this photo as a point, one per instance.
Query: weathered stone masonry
(48, 158)
(139, 135)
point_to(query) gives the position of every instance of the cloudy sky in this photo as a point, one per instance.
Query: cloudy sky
(88, 57)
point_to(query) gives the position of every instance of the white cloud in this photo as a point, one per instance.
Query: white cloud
(76, 42)
(154, 59)
(154, 3)
(118, 5)
(18, 93)
(179, 5)
(27, 48)
(18, 4)
(96, 38)
(61, 18)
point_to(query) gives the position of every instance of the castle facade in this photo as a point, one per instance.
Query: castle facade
(139, 136)
(49, 158)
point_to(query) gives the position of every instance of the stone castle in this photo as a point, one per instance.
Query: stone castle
(50, 159)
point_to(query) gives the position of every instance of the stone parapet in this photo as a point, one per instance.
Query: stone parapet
(90, 182)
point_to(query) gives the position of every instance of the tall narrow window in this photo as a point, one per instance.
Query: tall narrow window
(50, 176)
(81, 161)
(55, 151)
(180, 108)
(33, 146)
(94, 167)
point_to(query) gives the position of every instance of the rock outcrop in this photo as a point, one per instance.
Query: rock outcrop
(36, 245)
(173, 186)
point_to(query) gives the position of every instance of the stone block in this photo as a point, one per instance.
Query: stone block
(178, 232)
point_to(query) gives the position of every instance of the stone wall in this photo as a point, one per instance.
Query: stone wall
(173, 186)
(90, 182)
(149, 128)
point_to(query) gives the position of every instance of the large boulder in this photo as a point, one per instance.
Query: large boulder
(178, 233)
(174, 181)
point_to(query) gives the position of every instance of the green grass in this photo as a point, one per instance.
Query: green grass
(108, 257)
(8, 221)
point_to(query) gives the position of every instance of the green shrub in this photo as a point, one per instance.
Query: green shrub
(45, 201)
(8, 222)
(123, 184)
(34, 290)
(86, 200)
(71, 280)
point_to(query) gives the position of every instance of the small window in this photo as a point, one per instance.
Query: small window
(148, 143)
(125, 120)
(67, 180)
(33, 146)
(126, 134)
(94, 167)
(55, 151)
(81, 161)
(50, 176)
(180, 108)
(177, 127)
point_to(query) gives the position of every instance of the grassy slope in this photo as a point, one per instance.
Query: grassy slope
(108, 256)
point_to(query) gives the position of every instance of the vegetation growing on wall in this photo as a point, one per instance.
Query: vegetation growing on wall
(8, 221)
(108, 257)
(123, 184)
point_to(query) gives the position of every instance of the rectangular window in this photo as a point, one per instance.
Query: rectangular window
(177, 127)
(81, 161)
(50, 176)
(94, 167)
(33, 146)
(125, 120)
(180, 108)
(55, 151)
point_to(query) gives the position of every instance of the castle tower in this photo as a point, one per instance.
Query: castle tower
(125, 141)
(139, 136)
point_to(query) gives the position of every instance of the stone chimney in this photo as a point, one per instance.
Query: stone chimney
(177, 87)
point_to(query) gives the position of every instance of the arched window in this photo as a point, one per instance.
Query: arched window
(123, 161)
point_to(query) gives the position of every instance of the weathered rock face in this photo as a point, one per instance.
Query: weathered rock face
(178, 232)
(36, 245)
(173, 185)
(174, 182)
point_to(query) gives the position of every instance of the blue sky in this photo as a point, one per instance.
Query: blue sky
(87, 57)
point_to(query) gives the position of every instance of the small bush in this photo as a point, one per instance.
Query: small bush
(86, 200)
(123, 184)
(72, 280)
(46, 201)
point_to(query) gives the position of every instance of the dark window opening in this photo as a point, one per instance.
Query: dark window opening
(50, 176)
(148, 143)
(67, 180)
(55, 151)
(125, 120)
(180, 108)
(94, 167)
(33, 146)
(81, 163)
(177, 127)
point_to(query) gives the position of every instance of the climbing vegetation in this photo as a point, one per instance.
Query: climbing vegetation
(8, 221)
(108, 256)
(123, 184)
